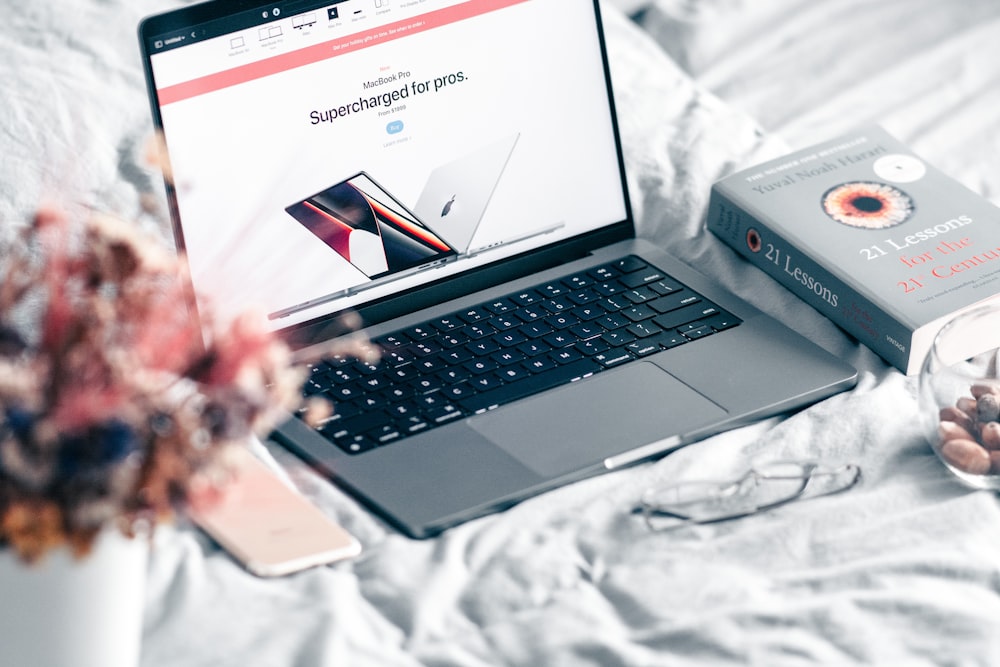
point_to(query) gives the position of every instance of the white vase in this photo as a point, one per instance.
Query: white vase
(65, 612)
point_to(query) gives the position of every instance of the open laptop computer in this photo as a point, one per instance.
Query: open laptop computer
(564, 348)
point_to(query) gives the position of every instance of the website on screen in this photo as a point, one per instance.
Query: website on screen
(326, 158)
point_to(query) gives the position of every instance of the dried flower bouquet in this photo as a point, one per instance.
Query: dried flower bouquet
(117, 405)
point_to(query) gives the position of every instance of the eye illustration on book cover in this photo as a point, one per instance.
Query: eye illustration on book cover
(868, 205)
(359, 220)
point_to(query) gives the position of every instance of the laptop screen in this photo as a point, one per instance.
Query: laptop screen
(325, 155)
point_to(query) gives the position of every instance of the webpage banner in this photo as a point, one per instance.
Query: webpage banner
(327, 159)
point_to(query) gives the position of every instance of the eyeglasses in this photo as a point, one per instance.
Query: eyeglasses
(761, 488)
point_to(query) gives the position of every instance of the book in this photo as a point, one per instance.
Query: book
(882, 243)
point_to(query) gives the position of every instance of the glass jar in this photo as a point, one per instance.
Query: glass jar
(960, 396)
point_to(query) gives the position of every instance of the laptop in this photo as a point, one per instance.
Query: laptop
(457, 193)
(561, 348)
(363, 224)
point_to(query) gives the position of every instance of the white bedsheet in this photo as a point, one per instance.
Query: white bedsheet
(904, 569)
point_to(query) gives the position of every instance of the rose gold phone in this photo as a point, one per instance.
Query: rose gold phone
(269, 527)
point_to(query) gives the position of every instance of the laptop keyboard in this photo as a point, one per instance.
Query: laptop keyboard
(507, 349)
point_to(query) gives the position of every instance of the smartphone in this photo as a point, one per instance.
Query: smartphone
(269, 527)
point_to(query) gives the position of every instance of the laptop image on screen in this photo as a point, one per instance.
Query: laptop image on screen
(359, 220)
(457, 193)
(530, 341)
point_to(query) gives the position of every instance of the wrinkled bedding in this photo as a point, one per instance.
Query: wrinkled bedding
(903, 569)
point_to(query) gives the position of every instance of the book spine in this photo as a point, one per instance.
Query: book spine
(755, 240)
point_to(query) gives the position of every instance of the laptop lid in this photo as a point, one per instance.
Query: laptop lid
(457, 193)
(267, 109)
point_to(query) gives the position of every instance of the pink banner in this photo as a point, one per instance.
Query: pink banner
(320, 52)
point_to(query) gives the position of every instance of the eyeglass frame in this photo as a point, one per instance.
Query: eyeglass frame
(811, 469)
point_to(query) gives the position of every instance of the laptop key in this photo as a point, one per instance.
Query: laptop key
(525, 298)
(414, 424)
(473, 315)
(533, 348)
(587, 331)
(385, 434)
(560, 339)
(613, 358)
(565, 356)
(551, 290)
(590, 311)
(673, 301)
(426, 385)
(444, 413)
(452, 339)
(512, 373)
(477, 331)
(504, 322)
(448, 323)
(618, 338)
(561, 321)
(629, 264)
(480, 366)
(700, 332)
(511, 338)
(639, 278)
(485, 382)
(591, 347)
(457, 356)
(457, 391)
(722, 321)
(483, 347)
(341, 411)
(454, 375)
(643, 348)
(507, 357)
(643, 329)
(420, 332)
(312, 387)
(669, 339)
(539, 364)
(407, 409)
(665, 286)
(640, 295)
(578, 281)
(391, 341)
(356, 444)
(676, 318)
(345, 392)
(614, 321)
(362, 423)
(639, 313)
(500, 306)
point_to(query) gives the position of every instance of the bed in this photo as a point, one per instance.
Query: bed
(902, 569)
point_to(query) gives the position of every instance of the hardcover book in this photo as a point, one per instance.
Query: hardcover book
(869, 234)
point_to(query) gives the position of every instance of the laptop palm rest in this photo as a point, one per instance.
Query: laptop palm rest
(585, 422)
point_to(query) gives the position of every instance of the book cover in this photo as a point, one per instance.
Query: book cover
(869, 234)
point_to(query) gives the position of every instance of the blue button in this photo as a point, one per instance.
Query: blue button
(395, 127)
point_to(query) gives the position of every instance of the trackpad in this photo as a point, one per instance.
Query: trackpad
(585, 422)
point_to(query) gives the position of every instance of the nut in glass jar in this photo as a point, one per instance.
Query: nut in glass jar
(960, 396)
